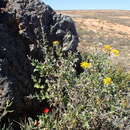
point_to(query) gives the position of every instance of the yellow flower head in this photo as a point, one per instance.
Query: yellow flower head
(85, 65)
(107, 80)
(115, 52)
(107, 47)
(125, 103)
(55, 42)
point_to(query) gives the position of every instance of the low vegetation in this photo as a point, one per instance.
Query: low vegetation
(82, 93)
(104, 26)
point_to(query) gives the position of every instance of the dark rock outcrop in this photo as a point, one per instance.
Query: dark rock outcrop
(24, 23)
(15, 67)
(38, 21)
(3, 3)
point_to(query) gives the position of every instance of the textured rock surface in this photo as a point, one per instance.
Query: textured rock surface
(15, 68)
(24, 23)
(38, 21)
(3, 3)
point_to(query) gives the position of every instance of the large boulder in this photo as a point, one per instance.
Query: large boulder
(15, 67)
(23, 24)
(39, 22)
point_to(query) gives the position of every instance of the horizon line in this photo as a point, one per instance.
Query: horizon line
(91, 9)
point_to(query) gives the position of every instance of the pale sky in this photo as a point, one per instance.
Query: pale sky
(88, 4)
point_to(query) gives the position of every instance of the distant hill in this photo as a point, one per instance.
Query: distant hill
(104, 26)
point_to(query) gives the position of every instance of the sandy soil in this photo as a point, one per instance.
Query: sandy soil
(104, 27)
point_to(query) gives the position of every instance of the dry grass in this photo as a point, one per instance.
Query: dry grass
(106, 27)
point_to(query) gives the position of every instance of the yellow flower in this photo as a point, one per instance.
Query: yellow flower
(107, 80)
(55, 42)
(85, 65)
(115, 52)
(98, 101)
(125, 103)
(107, 47)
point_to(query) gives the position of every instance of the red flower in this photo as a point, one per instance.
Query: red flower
(45, 110)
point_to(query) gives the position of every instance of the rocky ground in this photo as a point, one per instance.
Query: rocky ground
(106, 27)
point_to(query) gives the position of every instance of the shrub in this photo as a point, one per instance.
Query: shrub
(82, 101)
(95, 99)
